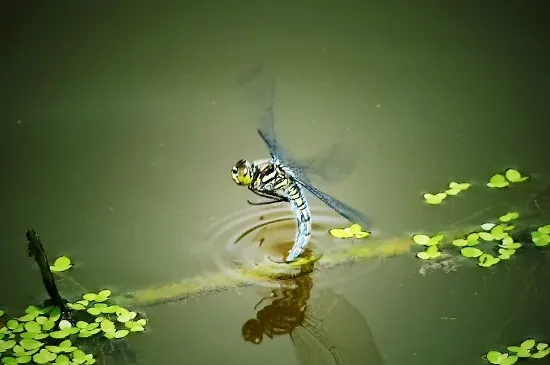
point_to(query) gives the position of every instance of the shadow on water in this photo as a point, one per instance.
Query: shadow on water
(325, 329)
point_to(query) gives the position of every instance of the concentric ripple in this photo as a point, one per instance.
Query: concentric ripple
(259, 234)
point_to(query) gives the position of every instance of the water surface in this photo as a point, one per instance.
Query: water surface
(119, 126)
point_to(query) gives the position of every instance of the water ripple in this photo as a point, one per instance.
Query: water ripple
(249, 237)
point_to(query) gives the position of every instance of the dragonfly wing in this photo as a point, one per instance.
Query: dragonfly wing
(310, 347)
(340, 207)
(259, 88)
(335, 332)
(331, 164)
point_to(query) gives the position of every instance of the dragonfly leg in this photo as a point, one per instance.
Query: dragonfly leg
(271, 195)
(266, 202)
(271, 296)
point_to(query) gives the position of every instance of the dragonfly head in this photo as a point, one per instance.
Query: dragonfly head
(242, 172)
(253, 331)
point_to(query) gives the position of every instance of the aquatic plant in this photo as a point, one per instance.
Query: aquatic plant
(502, 181)
(355, 230)
(527, 349)
(48, 334)
(432, 250)
(541, 237)
(499, 233)
(62, 263)
(454, 189)
(434, 198)
(44, 336)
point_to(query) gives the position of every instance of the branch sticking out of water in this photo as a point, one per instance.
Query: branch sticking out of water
(36, 250)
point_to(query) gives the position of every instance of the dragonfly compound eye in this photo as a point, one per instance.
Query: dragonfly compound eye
(241, 173)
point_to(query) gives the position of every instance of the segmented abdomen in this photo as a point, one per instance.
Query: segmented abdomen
(303, 218)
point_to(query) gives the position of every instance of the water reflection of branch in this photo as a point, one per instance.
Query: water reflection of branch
(324, 330)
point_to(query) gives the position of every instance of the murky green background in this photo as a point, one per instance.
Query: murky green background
(119, 126)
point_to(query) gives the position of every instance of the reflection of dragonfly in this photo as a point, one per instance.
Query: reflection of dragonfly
(282, 178)
(313, 328)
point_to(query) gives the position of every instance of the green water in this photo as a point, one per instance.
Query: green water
(118, 129)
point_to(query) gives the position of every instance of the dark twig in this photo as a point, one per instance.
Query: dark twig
(36, 250)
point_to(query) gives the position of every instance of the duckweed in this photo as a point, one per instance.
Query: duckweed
(355, 230)
(43, 337)
(527, 349)
(62, 263)
(434, 198)
(502, 181)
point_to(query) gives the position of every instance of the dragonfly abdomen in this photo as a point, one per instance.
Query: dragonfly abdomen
(300, 208)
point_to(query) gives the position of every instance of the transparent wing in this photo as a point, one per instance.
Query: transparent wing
(332, 164)
(335, 332)
(340, 207)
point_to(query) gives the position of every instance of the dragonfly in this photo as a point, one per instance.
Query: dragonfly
(324, 329)
(282, 178)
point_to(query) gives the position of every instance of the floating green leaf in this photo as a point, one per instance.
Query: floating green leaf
(6, 345)
(1, 312)
(9, 360)
(123, 315)
(455, 188)
(487, 226)
(103, 295)
(67, 346)
(505, 254)
(498, 232)
(89, 296)
(94, 311)
(79, 356)
(121, 333)
(486, 236)
(509, 216)
(514, 176)
(508, 243)
(62, 360)
(59, 334)
(540, 354)
(110, 309)
(426, 240)
(473, 239)
(355, 230)
(434, 198)
(62, 263)
(33, 327)
(487, 260)
(55, 313)
(452, 191)
(460, 242)
(30, 344)
(495, 357)
(432, 252)
(528, 344)
(421, 239)
(12, 324)
(540, 238)
(471, 252)
(498, 181)
(459, 186)
(340, 233)
(48, 325)
(107, 325)
(44, 356)
(136, 326)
